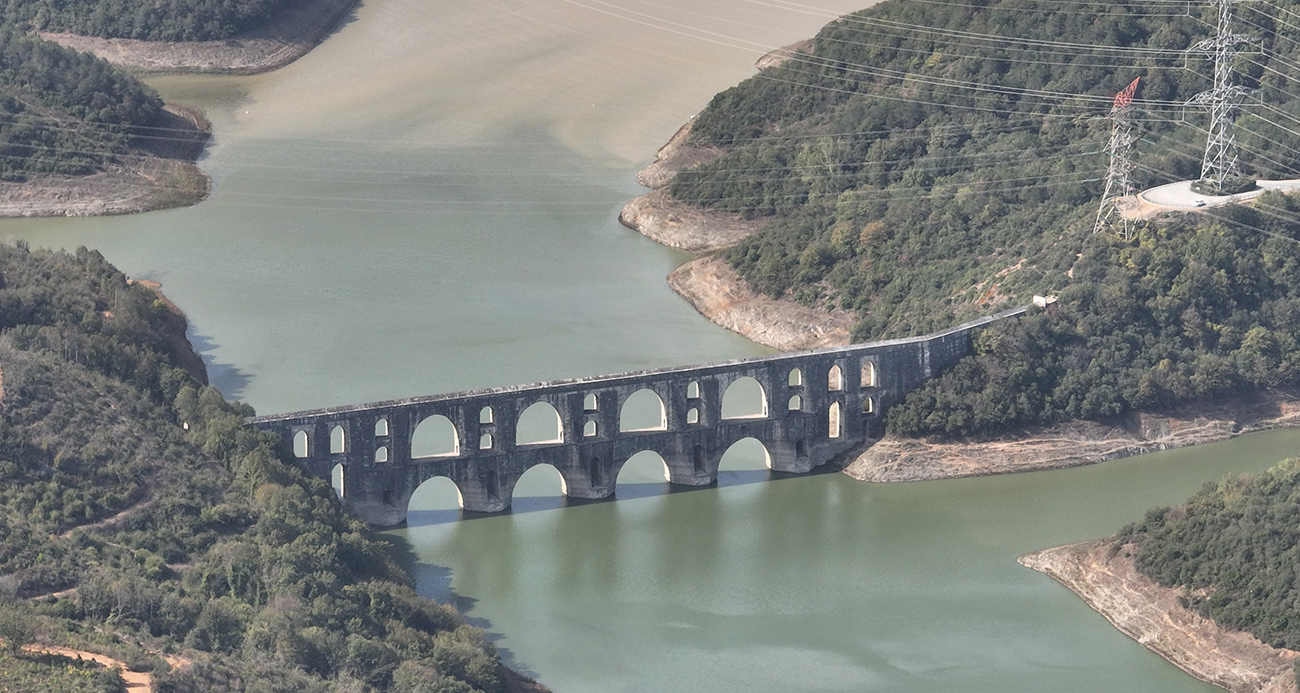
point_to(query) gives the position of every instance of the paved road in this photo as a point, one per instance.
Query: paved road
(1180, 195)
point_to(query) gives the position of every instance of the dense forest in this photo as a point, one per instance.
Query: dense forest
(62, 111)
(919, 167)
(152, 20)
(1191, 310)
(1236, 547)
(167, 526)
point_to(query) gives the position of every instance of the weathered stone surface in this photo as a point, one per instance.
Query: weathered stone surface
(380, 473)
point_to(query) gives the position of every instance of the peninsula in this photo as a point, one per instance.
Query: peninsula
(1209, 584)
(829, 204)
(72, 158)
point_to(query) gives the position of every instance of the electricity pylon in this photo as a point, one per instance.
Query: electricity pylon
(1220, 161)
(1115, 200)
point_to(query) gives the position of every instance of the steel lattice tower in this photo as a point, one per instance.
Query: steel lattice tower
(1115, 200)
(1220, 161)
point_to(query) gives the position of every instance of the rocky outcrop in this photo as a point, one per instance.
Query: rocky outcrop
(714, 288)
(664, 220)
(678, 155)
(709, 284)
(784, 54)
(1104, 576)
(273, 43)
(1076, 443)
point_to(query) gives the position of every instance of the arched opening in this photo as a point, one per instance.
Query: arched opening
(745, 462)
(381, 454)
(336, 480)
(435, 501)
(381, 427)
(485, 441)
(596, 472)
(539, 424)
(692, 415)
(796, 378)
(643, 411)
(589, 403)
(744, 399)
(542, 487)
(868, 405)
(590, 429)
(300, 446)
(338, 441)
(644, 467)
(486, 416)
(868, 373)
(643, 474)
(835, 379)
(693, 390)
(795, 403)
(836, 427)
(697, 459)
(435, 436)
(800, 450)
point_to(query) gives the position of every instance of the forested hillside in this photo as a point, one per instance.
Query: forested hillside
(1236, 547)
(932, 161)
(153, 20)
(62, 111)
(169, 527)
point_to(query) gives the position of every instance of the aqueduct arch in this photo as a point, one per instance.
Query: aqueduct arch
(815, 406)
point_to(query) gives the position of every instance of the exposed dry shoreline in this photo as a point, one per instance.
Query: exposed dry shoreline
(160, 173)
(287, 36)
(1105, 578)
(710, 285)
(157, 173)
(1077, 443)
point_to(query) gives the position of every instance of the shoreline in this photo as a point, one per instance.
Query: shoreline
(707, 283)
(162, 174)
(292, 33)
(714, 290)
(1076, 443)
(1104, 576)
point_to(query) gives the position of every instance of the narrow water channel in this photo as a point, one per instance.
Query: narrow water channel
(427, 203)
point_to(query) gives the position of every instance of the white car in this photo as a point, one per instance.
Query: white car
(1198, 202)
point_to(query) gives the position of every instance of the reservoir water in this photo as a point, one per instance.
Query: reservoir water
(427, 203)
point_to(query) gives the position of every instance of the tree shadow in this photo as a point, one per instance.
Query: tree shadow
(227, 378)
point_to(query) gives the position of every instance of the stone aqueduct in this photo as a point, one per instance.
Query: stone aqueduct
(817, 406)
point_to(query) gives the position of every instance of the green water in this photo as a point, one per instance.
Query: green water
(427, 203)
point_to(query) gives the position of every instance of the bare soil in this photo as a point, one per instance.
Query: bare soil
(676, 224)
(1104, 576)
(713, 287)
(784, 54)
(157, 173)
(136, 681)
(274, 43)
(1076, 443)
(708, 283)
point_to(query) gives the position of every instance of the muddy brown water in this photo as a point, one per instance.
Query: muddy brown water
(427, 203)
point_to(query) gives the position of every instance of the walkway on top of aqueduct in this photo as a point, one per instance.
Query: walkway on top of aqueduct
(816, 406)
